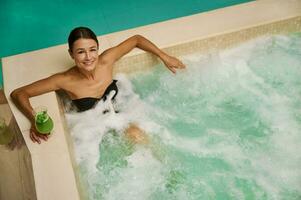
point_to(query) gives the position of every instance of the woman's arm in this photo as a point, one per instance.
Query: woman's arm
(113, 54)
(20, 97)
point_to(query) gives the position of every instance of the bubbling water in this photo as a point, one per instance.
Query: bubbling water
(227, 127)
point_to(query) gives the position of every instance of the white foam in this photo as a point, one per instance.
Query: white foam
(87, 128)
(137, 181)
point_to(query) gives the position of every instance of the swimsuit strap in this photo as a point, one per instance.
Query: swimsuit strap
(112, 86)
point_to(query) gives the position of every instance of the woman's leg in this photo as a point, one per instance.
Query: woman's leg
(136, 135)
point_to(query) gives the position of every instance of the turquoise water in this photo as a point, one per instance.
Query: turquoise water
(31, 25)
(227, 127)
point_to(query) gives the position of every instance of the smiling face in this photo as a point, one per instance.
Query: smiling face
(85, 54)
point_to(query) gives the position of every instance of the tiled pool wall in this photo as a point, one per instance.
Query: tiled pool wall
(220, 41)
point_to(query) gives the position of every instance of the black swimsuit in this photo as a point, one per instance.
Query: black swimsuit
(87, 103)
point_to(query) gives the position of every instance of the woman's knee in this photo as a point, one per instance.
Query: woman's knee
(136, 134)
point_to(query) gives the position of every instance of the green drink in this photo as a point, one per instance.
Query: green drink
(5, 135)
(43, 121)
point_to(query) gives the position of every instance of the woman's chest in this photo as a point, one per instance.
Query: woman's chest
(89, 88)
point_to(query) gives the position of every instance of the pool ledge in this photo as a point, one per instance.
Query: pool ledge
(53, 161)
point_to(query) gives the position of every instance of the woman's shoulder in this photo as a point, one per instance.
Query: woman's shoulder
(65, 76)
(70, 73)
(63, 80)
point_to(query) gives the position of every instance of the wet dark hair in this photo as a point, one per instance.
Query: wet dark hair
(81, 32)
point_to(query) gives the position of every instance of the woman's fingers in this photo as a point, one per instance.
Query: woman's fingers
(173, 64)
(182, 65)
(172, 69)
(34, 137)
(179, 64)
(43, 136)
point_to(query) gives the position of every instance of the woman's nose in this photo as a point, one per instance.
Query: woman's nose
(87, 55)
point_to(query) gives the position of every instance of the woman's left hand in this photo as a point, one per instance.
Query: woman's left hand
(172, 63)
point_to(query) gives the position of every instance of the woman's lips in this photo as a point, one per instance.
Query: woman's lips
(88, 63)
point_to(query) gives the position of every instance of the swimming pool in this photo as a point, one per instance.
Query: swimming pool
(228, 127)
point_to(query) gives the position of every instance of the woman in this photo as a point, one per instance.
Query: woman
(91, 78)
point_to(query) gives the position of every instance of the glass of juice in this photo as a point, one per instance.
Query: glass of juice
(43, 121)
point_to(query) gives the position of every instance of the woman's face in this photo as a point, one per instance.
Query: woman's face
(85, 54)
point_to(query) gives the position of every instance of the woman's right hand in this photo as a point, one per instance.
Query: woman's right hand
(172, 63)
(35, 136)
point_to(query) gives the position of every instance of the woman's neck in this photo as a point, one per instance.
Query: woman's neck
(90, 75)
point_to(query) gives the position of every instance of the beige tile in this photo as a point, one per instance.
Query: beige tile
(10, 184)
(104, 43)
(26, 174)
(54, 177)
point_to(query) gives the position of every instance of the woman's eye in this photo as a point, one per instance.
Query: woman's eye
(93, 49)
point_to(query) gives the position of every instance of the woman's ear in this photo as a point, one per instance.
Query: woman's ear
(70, 53)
